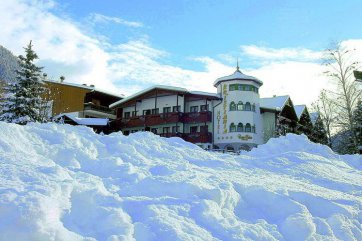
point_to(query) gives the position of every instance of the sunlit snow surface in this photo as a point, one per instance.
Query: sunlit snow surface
(59, 182)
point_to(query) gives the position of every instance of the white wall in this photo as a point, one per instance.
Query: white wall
(221, 131)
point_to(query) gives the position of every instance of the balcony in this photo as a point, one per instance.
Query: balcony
(171, 134)
(198, 137)
(98, 108)
(150, 120)
(197, 117)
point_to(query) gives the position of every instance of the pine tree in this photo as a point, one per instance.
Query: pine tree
(319, 133)
(22, 102)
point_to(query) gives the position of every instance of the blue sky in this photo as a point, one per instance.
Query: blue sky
(208, 27)
(125, 46)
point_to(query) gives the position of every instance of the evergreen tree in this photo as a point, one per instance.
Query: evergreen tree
(22, 102)
(319, 133)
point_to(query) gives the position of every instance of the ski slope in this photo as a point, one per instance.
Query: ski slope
(60, 182)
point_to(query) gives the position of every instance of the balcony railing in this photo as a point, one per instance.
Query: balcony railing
(198, 137)
(165, 118)
(100, 108)
(194, 117)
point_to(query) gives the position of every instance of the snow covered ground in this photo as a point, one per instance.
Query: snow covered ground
(59, 182)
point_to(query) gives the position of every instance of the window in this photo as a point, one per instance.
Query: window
(253, 107)
(166, 130)
(175, 129)
(154, 130)
(204, 129)
(146, 112)
(126, 133)
(166, 109)
(247, 87)
(134, 113)
(194, 108)
(253, 129)
(240, 87)
(127, 114)
(155, 111)
(176, 108)
(232, 127)
(233, 87)
(247, 106)
(247, 127)
(204, 107)
(193, 129)
(240, 105)
(232, 106)
(240, 127)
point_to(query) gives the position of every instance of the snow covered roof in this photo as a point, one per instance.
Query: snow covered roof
(162, 87)
(85, 121)
(299, 110)
(237, 75)
(313, 117)
(274, 102)
(205, 93)
(88, 87)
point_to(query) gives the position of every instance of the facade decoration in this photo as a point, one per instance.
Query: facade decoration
(218, 121)
(245, 138)
(225, 105)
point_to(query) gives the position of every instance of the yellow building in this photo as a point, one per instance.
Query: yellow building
(86, 100)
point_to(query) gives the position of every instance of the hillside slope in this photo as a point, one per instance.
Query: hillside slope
(59, 182)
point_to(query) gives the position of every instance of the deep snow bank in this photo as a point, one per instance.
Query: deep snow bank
(59, 182)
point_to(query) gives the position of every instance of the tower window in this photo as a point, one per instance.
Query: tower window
(240, 127)
(232, 106)
(247, 106)
(247, 127)
(240, 105)
(232, 127)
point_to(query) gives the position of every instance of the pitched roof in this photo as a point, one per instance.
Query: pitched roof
(299, 109)
(237, 75)
(274, 102)
(313, 117)
(162, 87)
(87, 87)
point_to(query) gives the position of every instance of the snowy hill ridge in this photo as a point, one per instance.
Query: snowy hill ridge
(59, 182)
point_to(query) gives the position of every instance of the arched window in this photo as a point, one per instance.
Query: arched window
(253, 129)
(247, 106)
(232, 106)
(247, 127)
(253, 107)
(240, 105)
(232, 127)
(240, 127)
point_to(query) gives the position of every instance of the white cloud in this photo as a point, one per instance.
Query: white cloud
(300, 54)
(100, 18)
(65, 49)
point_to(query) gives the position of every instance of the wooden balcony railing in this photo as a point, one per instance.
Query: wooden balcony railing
(198, 137)
(164, 118)
(197, 117)
(104, 109)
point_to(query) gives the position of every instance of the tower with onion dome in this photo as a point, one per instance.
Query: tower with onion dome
(237, 119)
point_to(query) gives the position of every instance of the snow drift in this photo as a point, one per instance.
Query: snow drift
(59, 182)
